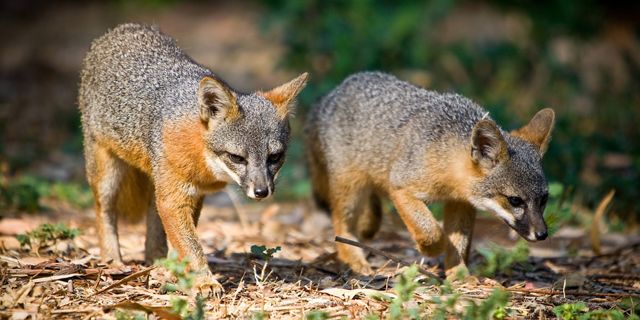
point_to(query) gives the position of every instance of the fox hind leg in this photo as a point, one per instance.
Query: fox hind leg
(155, 246)
(370, 218)
(346, 197)
(105, 172)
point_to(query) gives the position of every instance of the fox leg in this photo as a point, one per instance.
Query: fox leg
(369, 219)
(176, 210)
(105, 173)
(346, 196)
(458, 226)
(422, 226)
(155, 246)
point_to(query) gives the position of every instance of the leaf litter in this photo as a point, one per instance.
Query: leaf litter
(303, 276)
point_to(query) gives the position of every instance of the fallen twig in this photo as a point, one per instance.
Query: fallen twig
(125, 280)
(386, 255)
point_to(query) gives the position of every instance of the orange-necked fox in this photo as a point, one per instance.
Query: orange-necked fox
(375, 135)
(160, 131)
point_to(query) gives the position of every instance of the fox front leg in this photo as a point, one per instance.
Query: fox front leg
(424, 228)
(459, 218)
(177, 210)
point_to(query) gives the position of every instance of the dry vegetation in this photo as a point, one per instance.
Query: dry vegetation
(65, 278)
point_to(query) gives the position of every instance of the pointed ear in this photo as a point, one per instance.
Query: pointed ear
(216, 99)
(538, 130)
(283, 97)
(488, 147)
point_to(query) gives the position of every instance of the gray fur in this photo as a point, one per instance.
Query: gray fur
(136, 78)
(139, 94)
(378, 124)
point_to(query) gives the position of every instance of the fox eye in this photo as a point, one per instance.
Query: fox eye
(516, 202)
(274, 158)
(236, 158)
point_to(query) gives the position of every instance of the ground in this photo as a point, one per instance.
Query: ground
(67, 280)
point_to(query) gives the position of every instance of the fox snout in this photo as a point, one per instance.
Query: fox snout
(259, 185)
(531, 226)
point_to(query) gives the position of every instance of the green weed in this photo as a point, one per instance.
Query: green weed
(317, 315)
(46, 235)
(264, 253)
(580, 311)
(25, 193)
(498, 259)
(185, 281)
(558, 211)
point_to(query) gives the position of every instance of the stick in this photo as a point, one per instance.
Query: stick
(125, 280)
(386, 255)
(574, 293)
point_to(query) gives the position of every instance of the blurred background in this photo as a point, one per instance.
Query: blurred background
(581, 58)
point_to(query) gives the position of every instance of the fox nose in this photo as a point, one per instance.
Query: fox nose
(261, 193)
(541, 235)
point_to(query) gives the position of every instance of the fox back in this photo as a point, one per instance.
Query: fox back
(393, 136)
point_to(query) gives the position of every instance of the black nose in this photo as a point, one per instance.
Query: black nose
(541, 235)
(261, 192)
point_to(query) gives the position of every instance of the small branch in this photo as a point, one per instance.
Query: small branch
(574, 293)
(125, 280)
(386, 255)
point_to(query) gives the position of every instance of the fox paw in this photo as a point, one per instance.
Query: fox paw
(361, 267)
(460, 273)
(207, 286)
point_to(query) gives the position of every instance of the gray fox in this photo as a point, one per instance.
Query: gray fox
(160, 131)
(375, 135)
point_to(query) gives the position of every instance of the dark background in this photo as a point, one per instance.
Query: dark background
(581, 58)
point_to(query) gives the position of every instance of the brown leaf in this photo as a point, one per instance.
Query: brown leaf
(597, 221)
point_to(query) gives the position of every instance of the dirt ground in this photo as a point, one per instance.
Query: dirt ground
(68, 280)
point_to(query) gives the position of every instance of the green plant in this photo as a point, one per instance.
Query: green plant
(129, 315)
(558, 211)
(263, 252)
(317, 315)
(185, 281)
(25, 192)
(405, 286)
(20, 194)
(499, 259)
(259, 315)
(75, 194)
(47, 234)
(580, 311)
(494, 307)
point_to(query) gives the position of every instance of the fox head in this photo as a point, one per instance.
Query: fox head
(514, 187)
(247, 134)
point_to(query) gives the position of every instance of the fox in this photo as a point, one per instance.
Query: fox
(375, 136)
(161, 131)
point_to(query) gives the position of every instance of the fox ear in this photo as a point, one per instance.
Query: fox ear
(538, 130)
(283, 97)
(216, 99)
(488, 147)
